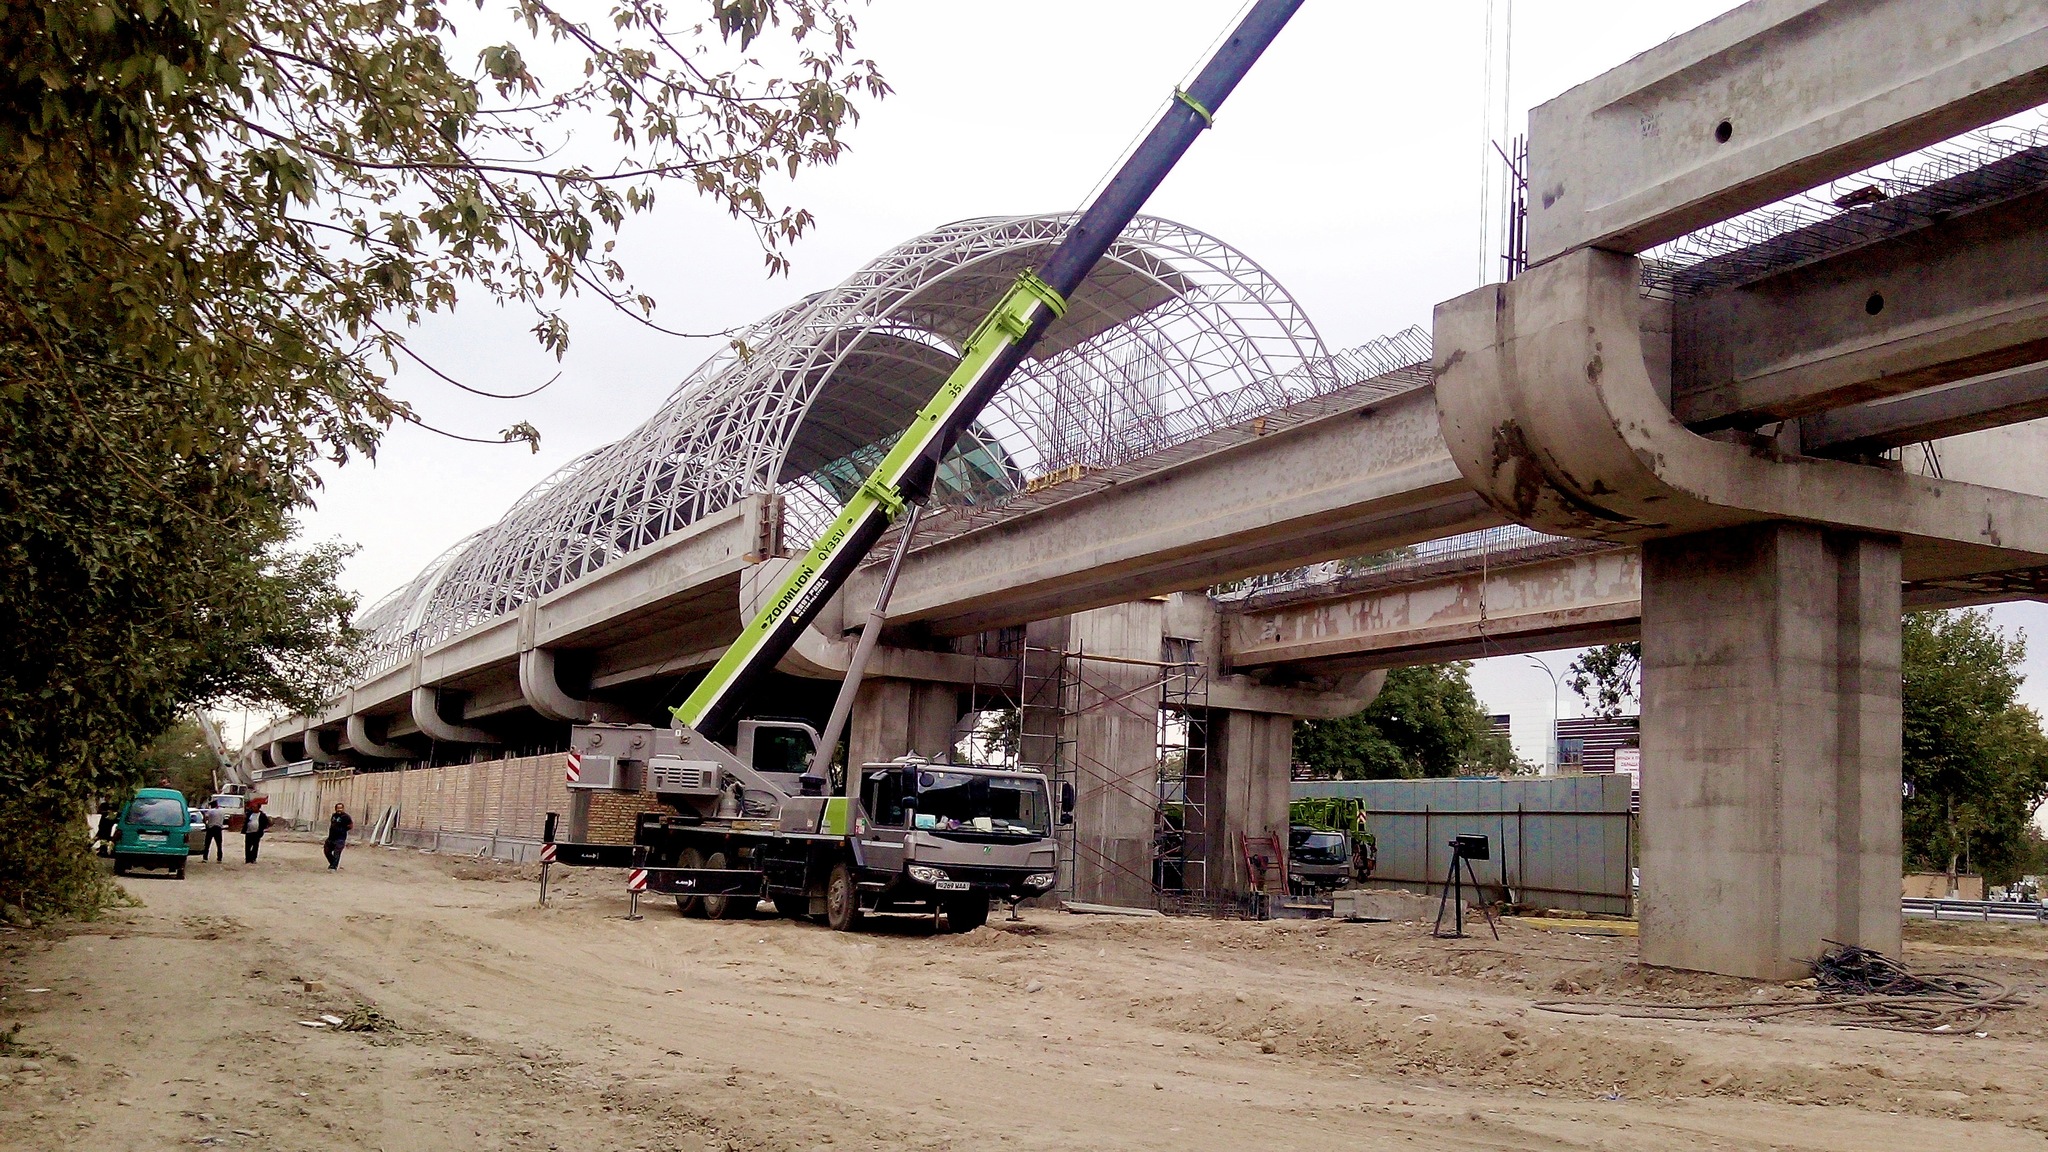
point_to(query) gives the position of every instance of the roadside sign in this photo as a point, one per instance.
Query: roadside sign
(1629, 761)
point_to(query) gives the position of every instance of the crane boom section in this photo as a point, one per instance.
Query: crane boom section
(1027, 308)
(994, 351)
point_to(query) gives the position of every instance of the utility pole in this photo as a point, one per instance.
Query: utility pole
(1550, 768)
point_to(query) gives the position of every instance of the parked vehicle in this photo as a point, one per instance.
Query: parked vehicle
(1318, 861)
(152, 832)
(195, 831)
(1328, 845)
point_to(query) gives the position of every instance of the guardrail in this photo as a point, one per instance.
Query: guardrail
(1984, 910)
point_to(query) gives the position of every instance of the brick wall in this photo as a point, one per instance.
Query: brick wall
(613, 815)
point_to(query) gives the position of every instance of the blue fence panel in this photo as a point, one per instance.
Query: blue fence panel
(1555, 841)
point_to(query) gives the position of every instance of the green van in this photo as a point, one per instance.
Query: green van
(151, 832)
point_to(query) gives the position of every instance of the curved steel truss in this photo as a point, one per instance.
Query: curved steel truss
(1173, 335)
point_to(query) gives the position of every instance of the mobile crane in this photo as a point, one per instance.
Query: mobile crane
(909, 835)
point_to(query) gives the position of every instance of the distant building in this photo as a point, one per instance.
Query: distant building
(1588, 743)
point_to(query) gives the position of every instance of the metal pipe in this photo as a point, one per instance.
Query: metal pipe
(842, 706)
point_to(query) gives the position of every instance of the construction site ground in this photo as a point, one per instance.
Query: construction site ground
(502, 1025)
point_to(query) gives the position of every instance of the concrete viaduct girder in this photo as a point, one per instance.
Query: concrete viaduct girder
(1360, 470)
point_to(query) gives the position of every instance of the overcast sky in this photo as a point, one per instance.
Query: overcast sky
(1347, 164)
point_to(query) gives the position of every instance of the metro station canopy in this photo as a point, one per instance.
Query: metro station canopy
(1173, 335)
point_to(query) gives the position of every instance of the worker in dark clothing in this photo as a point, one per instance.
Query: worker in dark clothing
(216, 824)
(337, 835)
(254, 824)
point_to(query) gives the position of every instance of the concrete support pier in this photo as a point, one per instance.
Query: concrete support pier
(1250, 755)
(1114, 731)
(1770, 796)
(894, 718)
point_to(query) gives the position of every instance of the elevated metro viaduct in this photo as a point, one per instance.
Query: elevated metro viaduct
(1716, 403)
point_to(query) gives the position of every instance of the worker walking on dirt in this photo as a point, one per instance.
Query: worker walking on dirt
(216, 824)
(337, 835)
(254, 824)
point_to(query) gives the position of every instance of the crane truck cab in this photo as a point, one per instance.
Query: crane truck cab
(910, 836)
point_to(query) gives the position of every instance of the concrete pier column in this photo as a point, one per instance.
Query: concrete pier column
(1250, 756)
(894, 718)
(1114, 729)
(1770, 791)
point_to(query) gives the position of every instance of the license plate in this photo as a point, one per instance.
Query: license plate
(159, 837)
(952, 885)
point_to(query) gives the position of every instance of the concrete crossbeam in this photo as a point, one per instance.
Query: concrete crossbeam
(1557, 603)
(1766, 102)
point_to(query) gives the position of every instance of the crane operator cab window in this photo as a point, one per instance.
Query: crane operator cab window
(881, 793)
(782, 749)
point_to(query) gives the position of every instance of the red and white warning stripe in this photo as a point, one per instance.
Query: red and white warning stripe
(547, 853)
(575, 771)
(636, 880)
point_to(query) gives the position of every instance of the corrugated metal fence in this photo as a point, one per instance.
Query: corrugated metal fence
(1556, 841)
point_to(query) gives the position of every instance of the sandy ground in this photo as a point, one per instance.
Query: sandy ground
(175, 1024)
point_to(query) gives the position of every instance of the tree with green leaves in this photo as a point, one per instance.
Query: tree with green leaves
(1426, 722)
(1608, 678)
(1976, 759)
(182, 756)
(218, 218)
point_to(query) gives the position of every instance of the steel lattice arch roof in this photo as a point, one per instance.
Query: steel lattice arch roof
(1174, 334)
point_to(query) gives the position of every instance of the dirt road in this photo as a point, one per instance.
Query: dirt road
(176, 1024)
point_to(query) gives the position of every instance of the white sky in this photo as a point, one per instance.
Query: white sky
(1347, 164)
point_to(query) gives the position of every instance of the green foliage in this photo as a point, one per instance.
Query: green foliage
(1978, 761)
(1608, 677)
(46, 861)
(216, 219)
(2032, 857)
(181, 757)
(1426, 722)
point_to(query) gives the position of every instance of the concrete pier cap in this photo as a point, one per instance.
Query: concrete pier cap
(363, 743)
(1771, 602)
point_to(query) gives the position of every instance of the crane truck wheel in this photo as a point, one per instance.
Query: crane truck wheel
(842, 899)
(966, 913)
(725, 907)
(690, 905)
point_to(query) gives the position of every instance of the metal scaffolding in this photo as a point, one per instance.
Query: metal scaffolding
(1057, 689)
(1184, 831)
